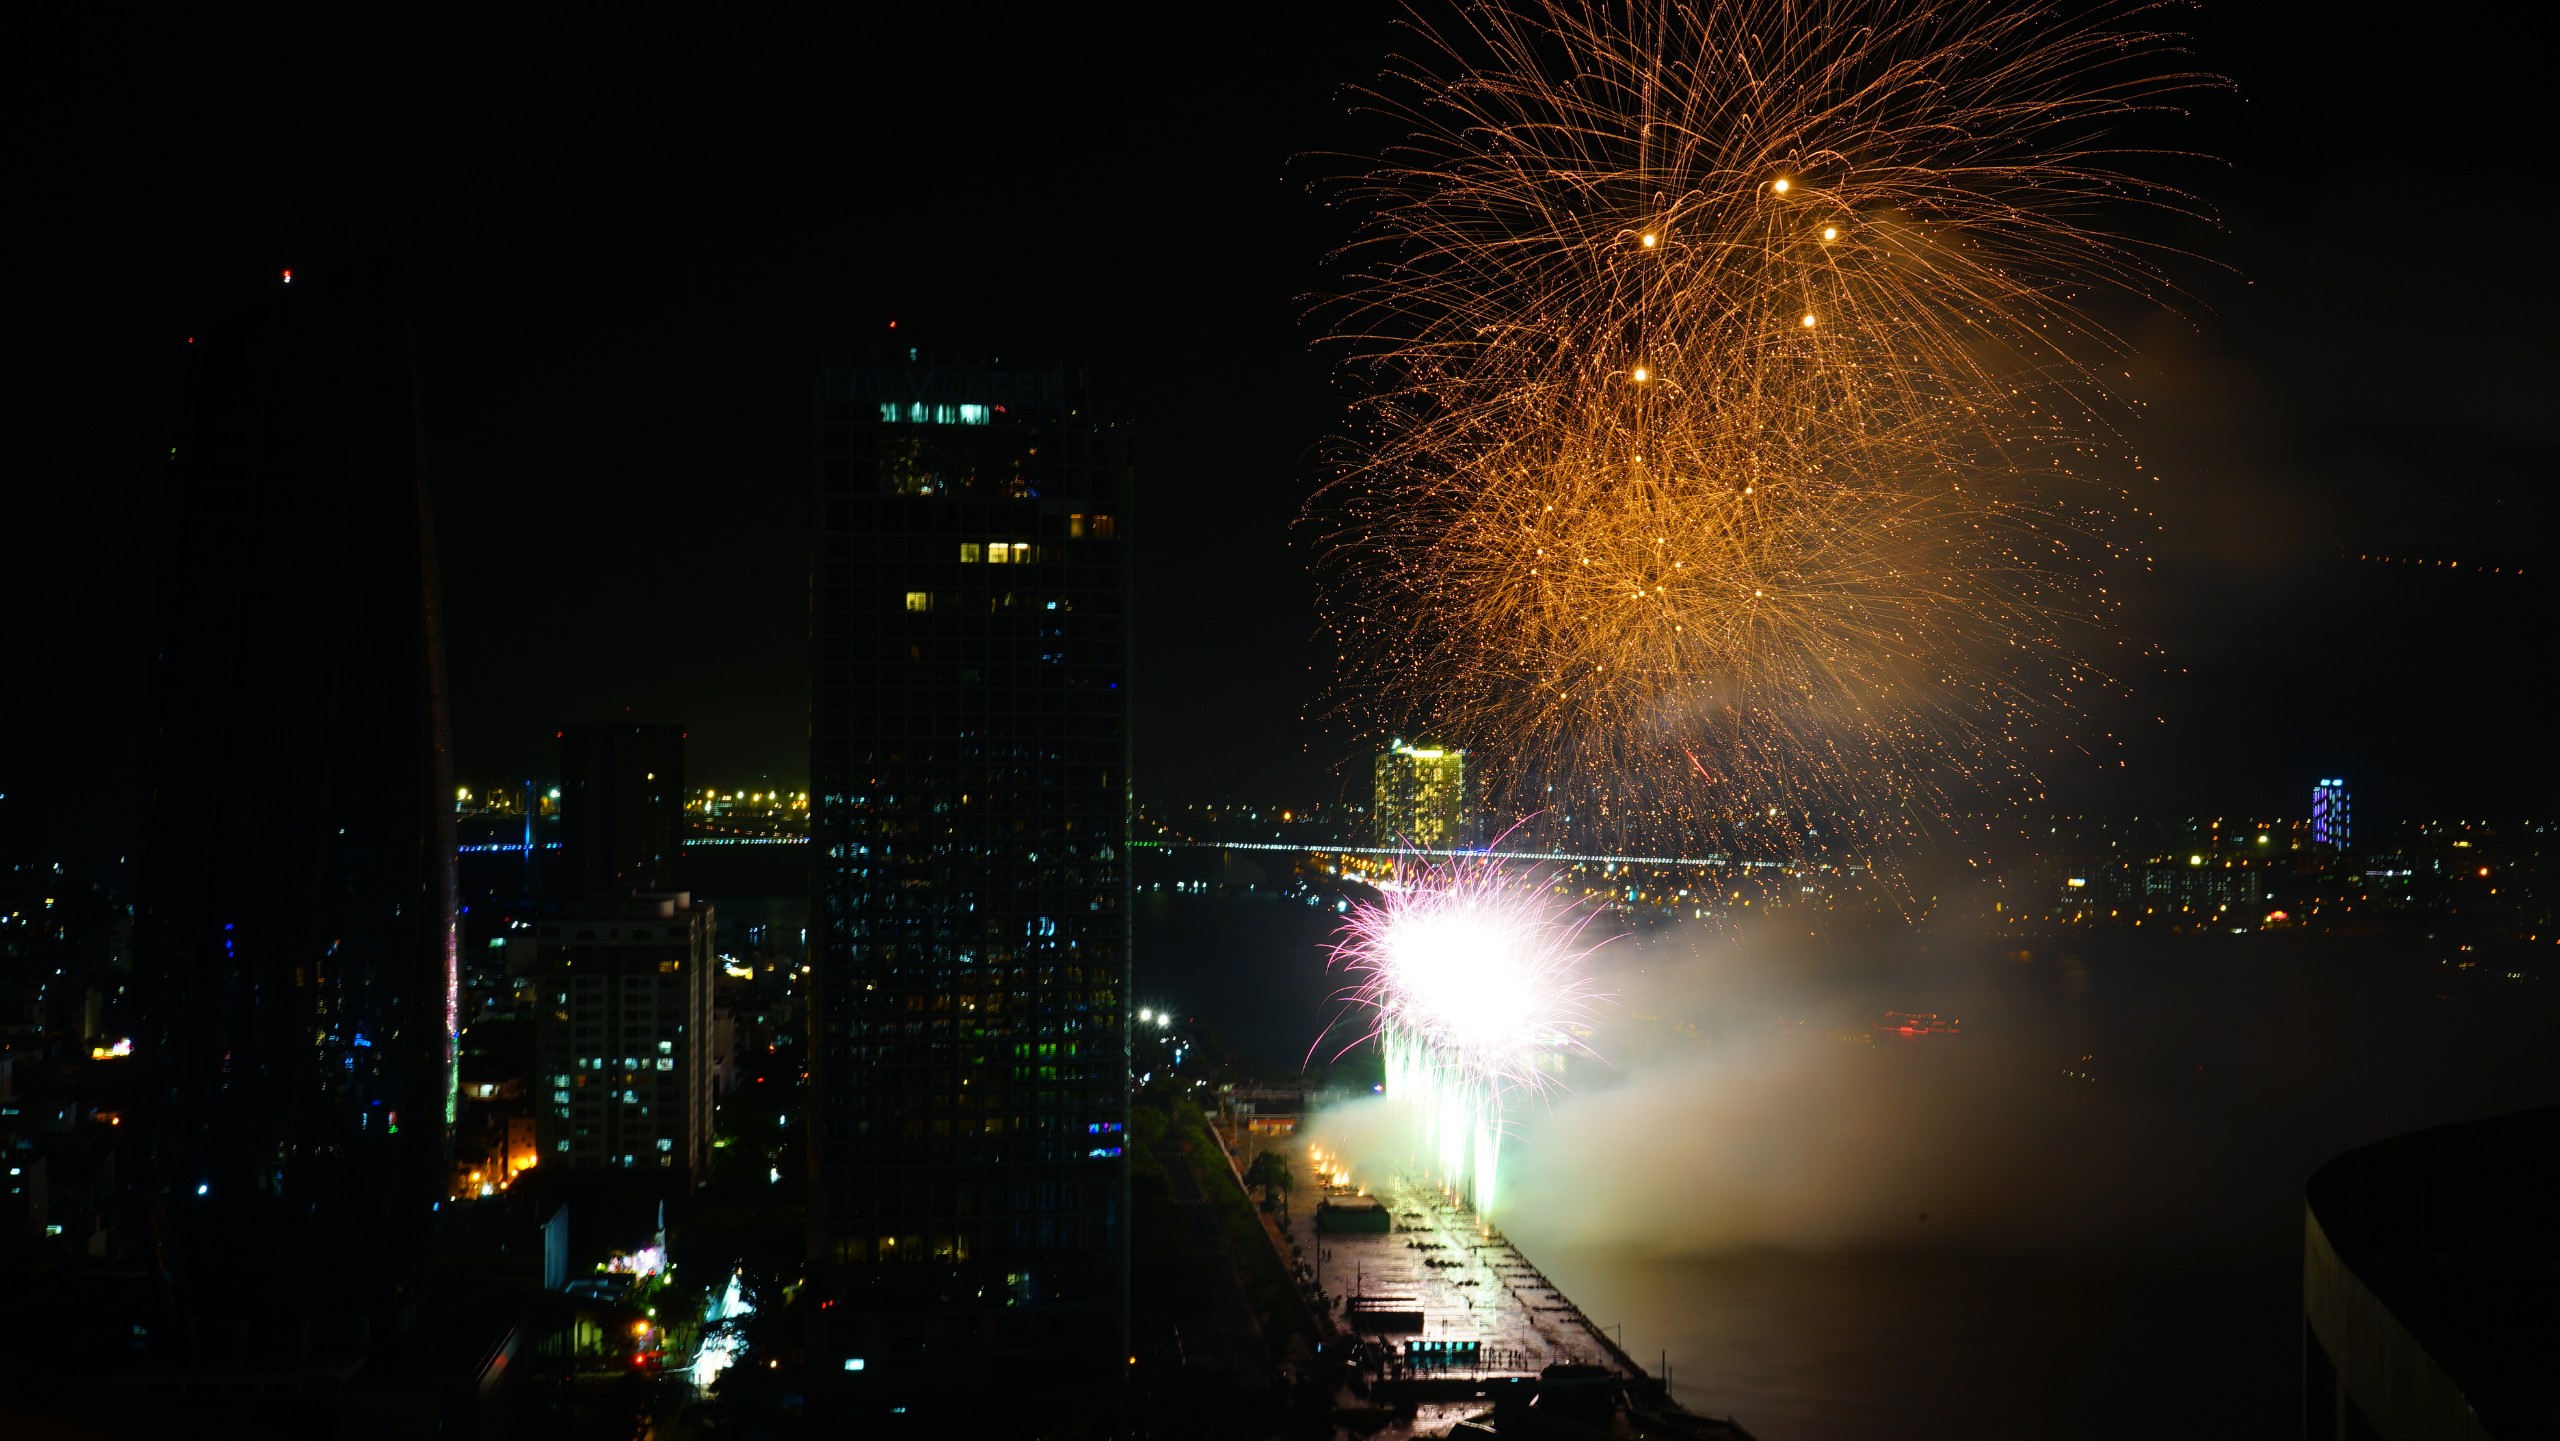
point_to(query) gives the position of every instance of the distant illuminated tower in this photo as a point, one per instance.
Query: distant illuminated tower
(1421, 798)
(2329, 823)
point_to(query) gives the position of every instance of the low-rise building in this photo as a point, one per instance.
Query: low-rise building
(624, 1035)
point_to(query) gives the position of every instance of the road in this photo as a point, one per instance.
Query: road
(1216, 1320)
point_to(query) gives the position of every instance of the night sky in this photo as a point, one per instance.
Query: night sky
(631, 236)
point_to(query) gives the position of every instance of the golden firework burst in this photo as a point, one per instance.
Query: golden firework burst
(1732, 455)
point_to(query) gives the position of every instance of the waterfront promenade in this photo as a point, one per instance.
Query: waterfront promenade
(1469, 1284)
(1444, 1319)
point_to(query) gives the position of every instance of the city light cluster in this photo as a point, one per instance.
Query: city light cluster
(1736, 448)
(1476, 987)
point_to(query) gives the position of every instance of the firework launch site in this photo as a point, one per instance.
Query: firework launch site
(1445, 1316)
(1432, 1321)
(1378, 1202)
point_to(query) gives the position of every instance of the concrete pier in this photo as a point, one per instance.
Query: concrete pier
(1468, 1284)
(1445, 1319)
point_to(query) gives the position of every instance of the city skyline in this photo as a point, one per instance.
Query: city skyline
(2268, 493)
(751, 722)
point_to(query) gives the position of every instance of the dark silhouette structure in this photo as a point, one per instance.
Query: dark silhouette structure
(2427, 1308)
(621, 809)
(969, 925)
(296, 919)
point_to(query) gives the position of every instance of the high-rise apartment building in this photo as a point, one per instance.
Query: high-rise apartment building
(969, 930)
(2331, 823)
(1420, 799)
(622, 1035)
(296, 927)
(621, 809)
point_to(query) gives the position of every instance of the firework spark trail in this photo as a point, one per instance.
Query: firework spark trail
(1732, 451)
(1472, 981)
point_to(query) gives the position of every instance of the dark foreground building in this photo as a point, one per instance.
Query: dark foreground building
(296, 926)
(621, 809)
(2429, 1312)
(969, 926)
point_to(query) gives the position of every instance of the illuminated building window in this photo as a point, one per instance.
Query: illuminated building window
(917, 412)
(666, 1143)
(919, 600)
(1075, 527)
(999, 553)
(1102, 527)
(969, 552)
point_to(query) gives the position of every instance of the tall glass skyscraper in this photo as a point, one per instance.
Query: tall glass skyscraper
(969, 930)
(296, 929)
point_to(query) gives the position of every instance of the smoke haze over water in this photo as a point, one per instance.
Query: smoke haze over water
(2116, 1256)
(2111, 1256)
(2170, 1094)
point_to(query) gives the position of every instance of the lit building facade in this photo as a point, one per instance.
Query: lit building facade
(2330, 819)
(969, 928)
(1421, 798)
(295, 938)
(623, 1036)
